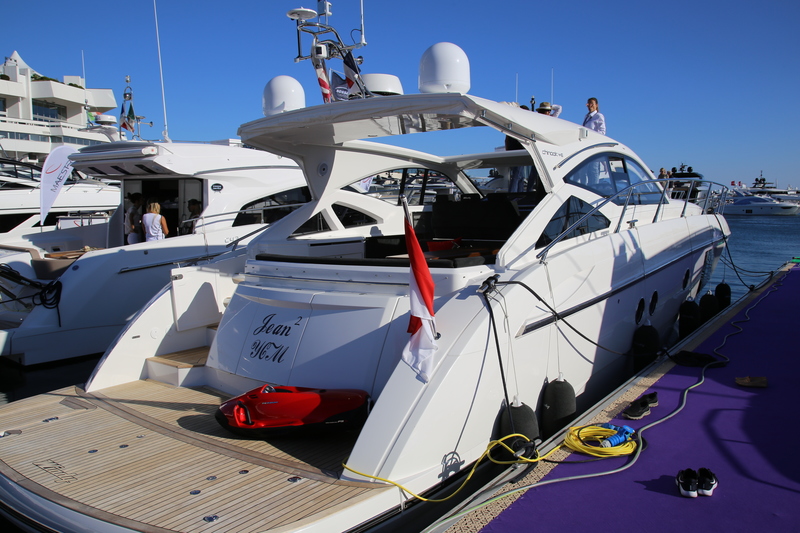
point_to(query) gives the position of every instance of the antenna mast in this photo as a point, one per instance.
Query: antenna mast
(161, 72)
(85, 95)
(331, 48)
(363, 38)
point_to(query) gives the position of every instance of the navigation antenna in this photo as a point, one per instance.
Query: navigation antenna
(161, 72)
(329, 48)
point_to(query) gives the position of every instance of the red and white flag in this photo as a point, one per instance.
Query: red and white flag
(351, 70)
(419, 350)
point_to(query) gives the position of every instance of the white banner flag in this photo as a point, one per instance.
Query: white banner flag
(57, 168)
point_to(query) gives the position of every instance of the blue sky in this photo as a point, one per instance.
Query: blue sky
(711, 84)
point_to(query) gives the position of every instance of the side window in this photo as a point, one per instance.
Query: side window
(272, 208)
(608, 174)
(593, 174)
(648, 193)
(315, 224)
(419, 185)
(351, 218)
(570, 212)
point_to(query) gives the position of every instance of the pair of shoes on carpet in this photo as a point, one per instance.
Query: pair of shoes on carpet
(750, 381)
(692, 483)
(641, 407)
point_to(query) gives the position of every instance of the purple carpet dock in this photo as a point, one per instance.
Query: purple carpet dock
(745, 435)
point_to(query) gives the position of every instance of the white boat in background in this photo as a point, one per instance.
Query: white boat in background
(81, 201)
(758, 205)
(323, 301)
(67, 293)
(762, 187)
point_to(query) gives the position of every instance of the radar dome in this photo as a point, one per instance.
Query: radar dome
(282, 93)
(444, 68)
(105, 120)
(383, 84)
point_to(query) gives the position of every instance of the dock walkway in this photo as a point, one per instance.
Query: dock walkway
(746, 436)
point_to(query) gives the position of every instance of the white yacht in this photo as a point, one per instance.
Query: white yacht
(528, 288)
(748, 204)
(81, 201)
(39, 113)
(67, 293)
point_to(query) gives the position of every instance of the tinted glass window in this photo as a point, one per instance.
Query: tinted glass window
(48, 111)
(271, 208)
(351, 218)
(608, 174)
(569, 213)
(419, 185)
(315, 224)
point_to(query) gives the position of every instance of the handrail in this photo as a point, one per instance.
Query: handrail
(628, 192)
(170, 262)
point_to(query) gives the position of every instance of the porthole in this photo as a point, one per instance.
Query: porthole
(653, 303)
(640, 311)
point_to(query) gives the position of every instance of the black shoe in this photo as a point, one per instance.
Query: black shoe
(637, 409)
(707, 482)
(652, 399)
(687, 482)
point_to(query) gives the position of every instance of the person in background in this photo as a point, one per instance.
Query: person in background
(662, 174)
(594, 119)
(195, 208)
(545, 108)
(155, 226)
(133, 219)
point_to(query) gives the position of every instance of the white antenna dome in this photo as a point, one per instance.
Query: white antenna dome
(282, 93)
(105, 120)
(383, 84)
(444, 68)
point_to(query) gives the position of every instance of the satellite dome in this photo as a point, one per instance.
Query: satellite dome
(282, 93)
(105, 120)
(383, 84)
(444, 68)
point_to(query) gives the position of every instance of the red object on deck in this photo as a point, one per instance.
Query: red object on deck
(283, 410)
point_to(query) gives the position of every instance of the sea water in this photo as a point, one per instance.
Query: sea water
(757, 247)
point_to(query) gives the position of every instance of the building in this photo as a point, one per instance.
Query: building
(38, 114)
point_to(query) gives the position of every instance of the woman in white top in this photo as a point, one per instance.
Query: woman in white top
(154, 225)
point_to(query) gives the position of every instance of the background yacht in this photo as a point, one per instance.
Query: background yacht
(81, 201)
(748, 204)
(67, 293)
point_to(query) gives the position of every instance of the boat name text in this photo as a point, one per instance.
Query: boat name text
(554, 154)
(270, 350)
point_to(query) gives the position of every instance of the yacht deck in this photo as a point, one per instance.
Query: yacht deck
(195, 469)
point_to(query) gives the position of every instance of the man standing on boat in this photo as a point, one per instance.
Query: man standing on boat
(594, 118)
